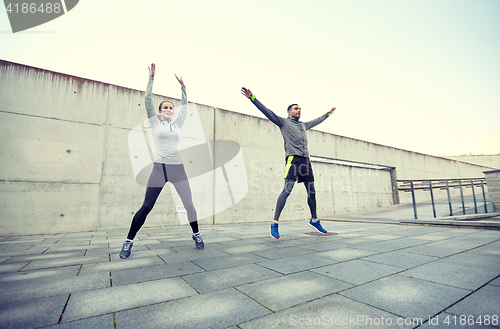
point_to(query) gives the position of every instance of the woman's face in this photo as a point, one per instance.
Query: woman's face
(167, 111)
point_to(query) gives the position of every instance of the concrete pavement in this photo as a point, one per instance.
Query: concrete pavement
(368, 275)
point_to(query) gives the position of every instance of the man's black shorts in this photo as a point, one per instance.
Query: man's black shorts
(298, 168)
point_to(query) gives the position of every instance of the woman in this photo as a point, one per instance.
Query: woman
(168, 165)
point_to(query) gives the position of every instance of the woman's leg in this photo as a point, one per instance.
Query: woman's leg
(156, 181)
(184, 191)
(152, 194)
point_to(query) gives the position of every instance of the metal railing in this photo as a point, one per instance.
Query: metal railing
(429, 185)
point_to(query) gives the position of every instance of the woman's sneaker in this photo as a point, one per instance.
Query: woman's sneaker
(126, 249)
(198, 242)
(317, 226)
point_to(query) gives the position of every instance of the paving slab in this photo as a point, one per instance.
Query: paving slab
(101, 301)
(383, 237)
(433, 250)
(25, 286)
(400, 259)
(282, 252)
(489, 250)
(407, 297)
(9, 268)
(471, 259)
(345, 254)
(67, 248)
(24, 240)
(216, 263)
(120, 264)
(243, 249)
(465, 277)
(299, 241)
(324, 246)
(462, 243)
(44, 257)
(357, 271)
(483, 302)
(229, 277)
(153, 273)
(97, 322)
(191, 255)
(9, 251)
(331, 311)
(33, 313)
(496, 282)
(169, 242)
(283, 292)
(219, 309)
(353, 242)
(480, 236)
(296, 264)
(43, 264)
(430, 237)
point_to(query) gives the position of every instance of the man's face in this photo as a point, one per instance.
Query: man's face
(294, 112)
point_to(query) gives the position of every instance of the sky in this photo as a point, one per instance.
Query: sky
(418, 75)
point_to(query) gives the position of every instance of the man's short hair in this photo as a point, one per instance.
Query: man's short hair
(290, 107)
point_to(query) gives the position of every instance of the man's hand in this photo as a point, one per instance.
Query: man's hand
(180, 80)
(152, 70)
(333, 109)
(246, 92)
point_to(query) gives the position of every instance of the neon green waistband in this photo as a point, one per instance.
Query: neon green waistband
(288, 164)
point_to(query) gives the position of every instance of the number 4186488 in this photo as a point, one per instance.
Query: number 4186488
(471, 320)
(32, 8)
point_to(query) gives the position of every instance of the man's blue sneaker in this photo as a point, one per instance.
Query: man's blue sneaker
(317, 226)
(274, 231)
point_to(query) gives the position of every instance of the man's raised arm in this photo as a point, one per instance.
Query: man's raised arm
(317, 121)
(277, 120)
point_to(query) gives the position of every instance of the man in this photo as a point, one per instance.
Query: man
(298, 165)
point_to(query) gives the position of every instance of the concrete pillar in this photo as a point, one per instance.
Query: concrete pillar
(493, 183)
(394, 183)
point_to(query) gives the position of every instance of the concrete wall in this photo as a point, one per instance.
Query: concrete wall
(65, 163)
(492, 161)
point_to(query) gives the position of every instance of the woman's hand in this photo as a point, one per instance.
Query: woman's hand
(180, 80)
(152, 70)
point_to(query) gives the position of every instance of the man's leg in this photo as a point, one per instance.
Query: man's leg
(280, 204)
(311, 199)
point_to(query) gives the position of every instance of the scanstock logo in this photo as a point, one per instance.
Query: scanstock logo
(215, 170)
(25, 14)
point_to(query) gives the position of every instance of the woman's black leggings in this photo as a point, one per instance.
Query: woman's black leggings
(160, 175)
